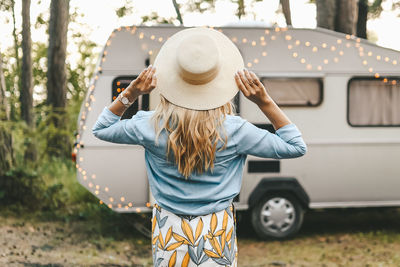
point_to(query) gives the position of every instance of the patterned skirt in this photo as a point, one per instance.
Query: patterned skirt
(186, 240)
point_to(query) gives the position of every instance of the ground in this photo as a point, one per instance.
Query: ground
(338, 237)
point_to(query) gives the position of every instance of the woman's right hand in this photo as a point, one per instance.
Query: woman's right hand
(252, 87)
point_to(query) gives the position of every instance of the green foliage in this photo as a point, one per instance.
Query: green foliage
(199, 6)
(123, 11)
(24, 186)
(154, 17)
(375, 9)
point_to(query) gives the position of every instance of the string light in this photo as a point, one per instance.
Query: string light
(260, 41)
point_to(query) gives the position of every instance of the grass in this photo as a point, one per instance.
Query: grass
(84, 233)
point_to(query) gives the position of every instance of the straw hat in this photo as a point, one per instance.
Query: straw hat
(195, 68)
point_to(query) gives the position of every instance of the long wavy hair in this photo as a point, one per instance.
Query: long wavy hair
(192, 134)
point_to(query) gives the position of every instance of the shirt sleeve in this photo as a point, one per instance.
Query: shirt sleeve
(287, 142)
(109, 127)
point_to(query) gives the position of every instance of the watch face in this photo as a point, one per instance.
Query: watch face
(125, 100)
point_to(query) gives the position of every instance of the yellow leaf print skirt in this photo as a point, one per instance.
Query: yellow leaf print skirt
(186, 240)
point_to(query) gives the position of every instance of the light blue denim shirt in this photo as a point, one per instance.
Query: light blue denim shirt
(213, 190)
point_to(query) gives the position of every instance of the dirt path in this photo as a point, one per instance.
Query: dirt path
(332, 238)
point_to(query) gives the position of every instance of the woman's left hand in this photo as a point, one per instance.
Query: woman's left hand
(144, 83)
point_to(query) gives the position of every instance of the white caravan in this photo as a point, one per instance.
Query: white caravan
(341, 91)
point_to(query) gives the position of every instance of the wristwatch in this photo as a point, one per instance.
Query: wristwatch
(121, 97)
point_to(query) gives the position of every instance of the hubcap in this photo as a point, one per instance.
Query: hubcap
(277, 215)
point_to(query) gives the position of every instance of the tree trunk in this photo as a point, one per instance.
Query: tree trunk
(362, 19)
(178, 12)
(7, 159)
(326, 14)
(26, 70)
(58, 144)
(286, 11)
(13, 112)
(338, 15)
(346, 16)
(240, 10)
(26, 97)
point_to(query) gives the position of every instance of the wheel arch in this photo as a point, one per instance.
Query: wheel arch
(273, 184)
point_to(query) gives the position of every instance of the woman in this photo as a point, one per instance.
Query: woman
(195, 145)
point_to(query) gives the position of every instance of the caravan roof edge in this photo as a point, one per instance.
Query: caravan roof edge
(318, 29)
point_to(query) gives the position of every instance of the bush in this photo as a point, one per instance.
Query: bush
(25, 187)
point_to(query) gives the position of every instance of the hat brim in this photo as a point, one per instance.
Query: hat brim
(205, 96)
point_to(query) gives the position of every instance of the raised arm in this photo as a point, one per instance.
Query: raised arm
(286, 143)
(109, 127)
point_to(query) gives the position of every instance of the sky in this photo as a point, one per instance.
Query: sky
(101, 19)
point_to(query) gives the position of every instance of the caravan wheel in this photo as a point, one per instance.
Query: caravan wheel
(277, 216)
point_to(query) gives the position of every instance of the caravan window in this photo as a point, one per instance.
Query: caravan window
(294, 91)
(142, 102)
(373, 101)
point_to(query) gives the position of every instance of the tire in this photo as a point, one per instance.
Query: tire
(284, 221)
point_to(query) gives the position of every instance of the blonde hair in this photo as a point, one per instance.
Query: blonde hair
(192, 134)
